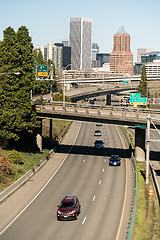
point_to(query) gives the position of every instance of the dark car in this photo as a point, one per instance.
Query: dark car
(114, 160)
(98, 143)
(69, 208)
(98, 124)
(91, 101)
(97, 133)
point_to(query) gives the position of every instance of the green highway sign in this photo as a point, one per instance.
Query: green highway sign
(135, 95)
(136, 99)
(42, 70)
(141, 125)
(141, 99)
(125, 82)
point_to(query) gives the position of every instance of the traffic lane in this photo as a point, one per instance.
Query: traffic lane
(155, 153)
(104, 206)
(30, 223)
(44, 224)
(155, 150)
(112, 230)
(22, 196)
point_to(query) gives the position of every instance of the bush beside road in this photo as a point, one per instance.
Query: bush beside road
(11, 170)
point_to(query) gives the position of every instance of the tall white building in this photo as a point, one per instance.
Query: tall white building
(80, 40)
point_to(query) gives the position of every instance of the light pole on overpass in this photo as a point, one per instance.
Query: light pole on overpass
(147, 148)
(63, 69)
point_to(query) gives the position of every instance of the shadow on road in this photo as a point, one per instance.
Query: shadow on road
(154, 156)
(89, 150)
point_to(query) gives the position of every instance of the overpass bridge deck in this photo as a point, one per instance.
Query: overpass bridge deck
(94, 113)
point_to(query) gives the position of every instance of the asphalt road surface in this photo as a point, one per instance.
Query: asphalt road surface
(155, 153)
(105, 193)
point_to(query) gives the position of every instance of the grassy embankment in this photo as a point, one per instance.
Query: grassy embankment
(30, 160)
(148, 218)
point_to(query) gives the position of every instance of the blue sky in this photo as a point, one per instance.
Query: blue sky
(48, 20)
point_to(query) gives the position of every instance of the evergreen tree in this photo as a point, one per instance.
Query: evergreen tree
(18, 118)
(142, 87)
(39, 59)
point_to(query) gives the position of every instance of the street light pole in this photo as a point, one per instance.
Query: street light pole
(63, 75)
(147, 95)
(147, 148)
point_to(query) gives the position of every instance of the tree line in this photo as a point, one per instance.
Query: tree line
(18, 121)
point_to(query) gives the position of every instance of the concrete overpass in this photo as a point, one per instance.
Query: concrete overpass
(130, 117)
(83, 93)
(111, 79)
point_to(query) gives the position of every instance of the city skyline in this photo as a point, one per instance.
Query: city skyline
(49, 22)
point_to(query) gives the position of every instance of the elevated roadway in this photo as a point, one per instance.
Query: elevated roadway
(109, 79)
(130, 117)
(96, 113)
(78, 94)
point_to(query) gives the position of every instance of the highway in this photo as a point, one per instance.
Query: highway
(105, 192)
(155, 154)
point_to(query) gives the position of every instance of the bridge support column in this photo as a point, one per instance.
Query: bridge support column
(140, 144)
(39, 136)
(108, 99)
(50, 131)
(68, 86)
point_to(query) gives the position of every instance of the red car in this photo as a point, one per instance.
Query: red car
(69, 208)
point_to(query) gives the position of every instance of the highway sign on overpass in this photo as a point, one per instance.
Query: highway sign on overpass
(42, 70)
(136, 99)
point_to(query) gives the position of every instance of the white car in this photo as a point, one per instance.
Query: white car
(97, 133)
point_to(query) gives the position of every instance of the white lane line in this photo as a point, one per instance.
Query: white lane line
(84, 220)
(84, 160)
(103, 170)
(43, 186)
(93, 198)
(100, 182)
(105, 160)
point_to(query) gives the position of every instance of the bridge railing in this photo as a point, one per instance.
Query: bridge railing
(97, 106)
(118, 115)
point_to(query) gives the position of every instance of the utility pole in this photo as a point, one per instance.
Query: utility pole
(51, 90)
(147, 148)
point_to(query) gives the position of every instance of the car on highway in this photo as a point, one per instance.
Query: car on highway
(114, 160)
(91, 101)
(97, 133)
(98, 143)
(69, 208)
(98, 124)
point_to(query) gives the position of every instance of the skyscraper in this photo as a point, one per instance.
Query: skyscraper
(80, 39)
(121, 58)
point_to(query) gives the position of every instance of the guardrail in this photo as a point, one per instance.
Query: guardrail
(131, 231)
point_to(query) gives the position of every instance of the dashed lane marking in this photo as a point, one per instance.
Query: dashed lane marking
(84, 220)
(93, 198)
